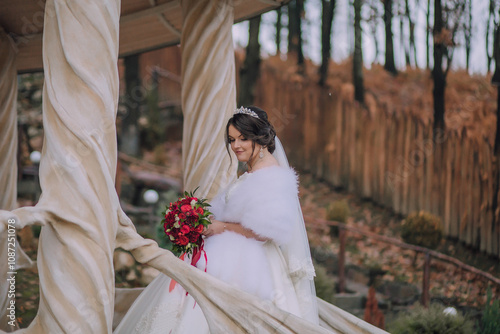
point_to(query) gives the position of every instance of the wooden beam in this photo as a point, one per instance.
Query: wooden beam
(165, 22)
(29, 56)
(168, 25)
(150, 11)
(273, 2)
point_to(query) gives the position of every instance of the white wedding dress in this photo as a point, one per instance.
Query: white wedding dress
(264, 201)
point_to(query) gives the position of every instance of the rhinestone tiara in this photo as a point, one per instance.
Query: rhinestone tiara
(246, 111)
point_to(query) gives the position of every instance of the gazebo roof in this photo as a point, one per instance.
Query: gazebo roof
(144, 25)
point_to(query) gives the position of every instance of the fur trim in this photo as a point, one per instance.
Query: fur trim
(263, 202)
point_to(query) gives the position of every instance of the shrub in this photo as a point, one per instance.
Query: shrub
(422, 229)
(490, 321)
(431, 321)
(337, 211)
(324, 283)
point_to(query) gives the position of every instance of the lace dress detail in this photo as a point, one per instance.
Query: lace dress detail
(301, 269)
(157, 319)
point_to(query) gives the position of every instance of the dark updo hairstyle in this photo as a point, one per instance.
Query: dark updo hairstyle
(258, 130)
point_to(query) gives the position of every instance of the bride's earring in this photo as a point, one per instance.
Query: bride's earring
(261, 153)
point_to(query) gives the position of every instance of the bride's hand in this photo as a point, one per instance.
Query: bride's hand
(216, 227)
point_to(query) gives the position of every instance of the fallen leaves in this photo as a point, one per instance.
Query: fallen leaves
(447, 282)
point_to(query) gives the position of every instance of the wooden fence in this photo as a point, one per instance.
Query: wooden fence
(388, 154)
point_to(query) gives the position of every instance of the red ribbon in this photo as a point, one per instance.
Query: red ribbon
(197, 254)
(172, 282)
(194, 260)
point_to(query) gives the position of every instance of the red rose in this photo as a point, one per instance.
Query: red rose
(185, 229)
(186, 208)
(193, 237)
(182, 216)
(199, 210)
(182, 240)
(170, 217)
(199, 228)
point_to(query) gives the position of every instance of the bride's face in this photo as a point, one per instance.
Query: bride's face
(241, 146)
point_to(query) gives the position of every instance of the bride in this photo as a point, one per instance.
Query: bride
(256, 242)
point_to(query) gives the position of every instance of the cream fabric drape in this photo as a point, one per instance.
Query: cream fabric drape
(8, 123)
(8, 166)
(77, 168)
(208, 93)
(8, 152)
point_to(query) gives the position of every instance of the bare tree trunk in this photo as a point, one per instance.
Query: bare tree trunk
(411, 25)
(373, 23)
(278, 30)
(300, 54)
(389, 46)
(249, 72)
(376, 42)
(497, 136)
(468, 34)
(403, 41)
(358, 54)
(489, 56)
(295, 9)
(437, 73)
(427, 33)
(495, 80)
(129, 136)
(326, 33)
(292, 27)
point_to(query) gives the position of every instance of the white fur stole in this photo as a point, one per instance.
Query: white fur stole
(263, 202)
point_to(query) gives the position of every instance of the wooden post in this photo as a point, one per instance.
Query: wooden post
(342, 237)
(426, 280)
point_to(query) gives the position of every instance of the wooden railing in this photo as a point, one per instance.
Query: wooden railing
(428, 253)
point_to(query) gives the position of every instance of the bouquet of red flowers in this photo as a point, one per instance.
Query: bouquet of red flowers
(184, 223)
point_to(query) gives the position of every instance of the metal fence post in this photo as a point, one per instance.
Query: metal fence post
(342, 237)
(426, 280)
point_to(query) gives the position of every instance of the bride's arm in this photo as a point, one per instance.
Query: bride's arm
(218, 227)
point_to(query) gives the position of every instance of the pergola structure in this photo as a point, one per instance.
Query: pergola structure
(145, 25)
(77, 44)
